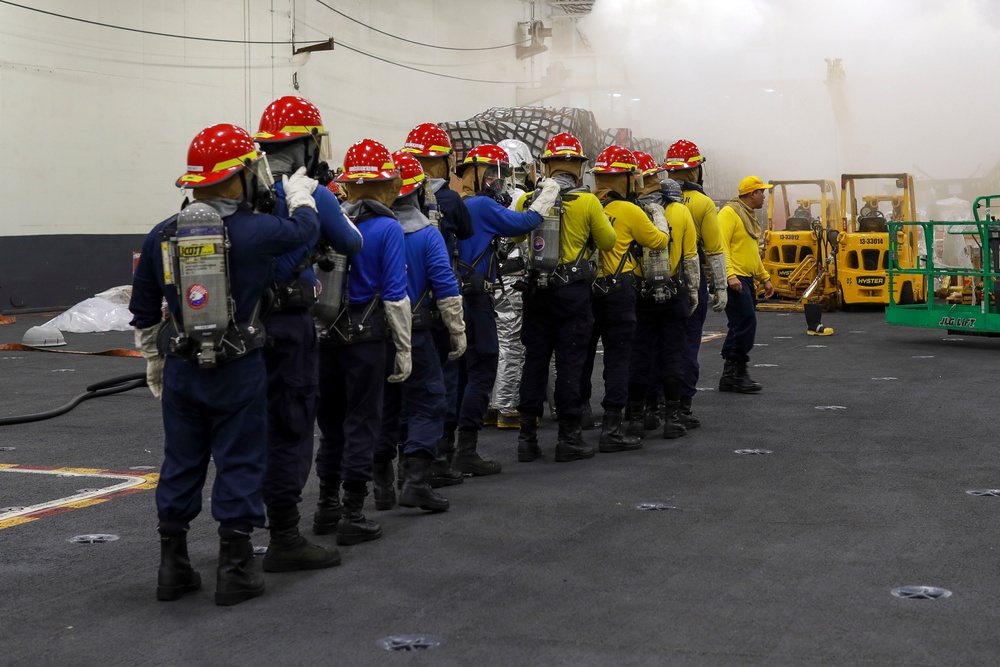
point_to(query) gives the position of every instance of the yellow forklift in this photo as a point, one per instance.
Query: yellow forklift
(797, 247)
(868, 203)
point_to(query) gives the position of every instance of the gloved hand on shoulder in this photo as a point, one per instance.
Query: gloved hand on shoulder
(545, 196)
(298, 190)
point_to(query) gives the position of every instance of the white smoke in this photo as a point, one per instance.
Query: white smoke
(747, 77)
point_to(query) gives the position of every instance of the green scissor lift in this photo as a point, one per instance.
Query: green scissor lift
(982, 317)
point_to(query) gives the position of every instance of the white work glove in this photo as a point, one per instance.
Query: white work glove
(692, 272)
(655, 212)
(298, 190)
(145, 342)
(717, 265)
(400, 319)
(545, 196)
(453, 316)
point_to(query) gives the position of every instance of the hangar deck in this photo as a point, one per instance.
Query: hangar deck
(788, 558)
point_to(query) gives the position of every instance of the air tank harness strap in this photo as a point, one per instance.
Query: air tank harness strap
(616, 281)
(424, 311)
(357, 323)
(298, 292)
(479, 283)
(240, 339)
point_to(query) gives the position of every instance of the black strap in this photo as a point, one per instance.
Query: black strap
(632, 247)
(471, 268)
(423, 297)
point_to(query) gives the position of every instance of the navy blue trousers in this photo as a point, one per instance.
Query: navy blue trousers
(692, 342)
(292, 360)
(450, 372)
(421, 396)
(658, 346)
(614, 324)
(478, 367)
(351, 381)
(559, 320)
(222, 413)
(742, 314)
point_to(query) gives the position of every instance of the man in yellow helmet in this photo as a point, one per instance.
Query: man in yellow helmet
(741, 231)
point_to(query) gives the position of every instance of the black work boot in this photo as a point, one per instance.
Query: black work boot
(176, 576)
(672, 427)
(383, 484)
(748, 384)
(685, 416)
(238, 577)
(651, 413)
(728, 380)
(587, 417)
(571, 446)
(441, 472)
(328, 509)
(416, 491)
(353, 527)
(468, 461)
(612, 437)
(288, 551)
(634, 418)
(527, 440)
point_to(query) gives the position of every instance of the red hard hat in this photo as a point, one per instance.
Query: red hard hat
(409, 170)
(287, 118)
(367, 160)
(647, 165)
(683, 154)
(615, 160)
(333, 187)
(427, 140)
(215, 154)
(485, 154)
(565, 146)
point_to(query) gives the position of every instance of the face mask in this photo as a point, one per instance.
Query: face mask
(498, 193)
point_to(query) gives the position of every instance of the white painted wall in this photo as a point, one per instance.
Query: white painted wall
(95, 122)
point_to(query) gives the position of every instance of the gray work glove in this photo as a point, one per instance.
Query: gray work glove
(717, 265)
(545, 197)
(655, 212)
(692, 271)
(400, 319)
(453, 316)
(298, 190)
(145, 342)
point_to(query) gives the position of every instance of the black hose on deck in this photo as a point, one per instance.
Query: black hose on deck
(104, 388)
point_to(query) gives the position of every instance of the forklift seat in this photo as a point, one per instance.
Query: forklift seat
(873, 223)
(798, 224)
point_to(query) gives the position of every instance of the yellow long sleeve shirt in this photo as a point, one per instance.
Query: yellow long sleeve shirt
(742, 251)
(583, 219)
(683, 237)
(706, 221)
(631, 224)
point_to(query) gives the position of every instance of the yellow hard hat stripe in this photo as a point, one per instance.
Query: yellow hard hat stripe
(235, 162)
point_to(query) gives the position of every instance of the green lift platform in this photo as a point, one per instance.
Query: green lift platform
(967, 300)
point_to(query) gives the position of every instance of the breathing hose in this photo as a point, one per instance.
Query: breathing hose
(105, 388)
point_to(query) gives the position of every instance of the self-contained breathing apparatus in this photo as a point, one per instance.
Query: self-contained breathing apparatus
(543, 269)
(195, 261)
(657, 283)
(339, 322)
